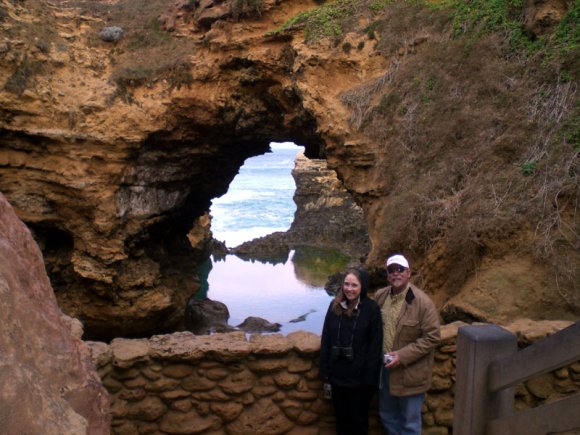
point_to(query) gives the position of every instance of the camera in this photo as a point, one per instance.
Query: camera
(346, 352)
(387, 359)
(327, 391)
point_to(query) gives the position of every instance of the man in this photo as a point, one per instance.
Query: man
(411, 333)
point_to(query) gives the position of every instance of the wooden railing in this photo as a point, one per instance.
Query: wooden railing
(488, 368)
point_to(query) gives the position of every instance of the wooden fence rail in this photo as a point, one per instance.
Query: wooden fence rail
(489, 366)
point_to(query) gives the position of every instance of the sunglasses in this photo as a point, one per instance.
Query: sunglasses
(396, 268)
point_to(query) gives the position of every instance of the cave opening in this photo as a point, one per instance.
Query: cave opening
(259, 200)
(266, 281)
(57, 246)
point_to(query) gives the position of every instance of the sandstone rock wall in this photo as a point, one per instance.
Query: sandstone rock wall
(48, 382)
(227, 383)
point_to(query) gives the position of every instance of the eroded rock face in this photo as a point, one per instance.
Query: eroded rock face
(49, 383)
(326, 213)
(115, 187)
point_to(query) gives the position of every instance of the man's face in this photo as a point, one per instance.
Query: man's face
(398, 276)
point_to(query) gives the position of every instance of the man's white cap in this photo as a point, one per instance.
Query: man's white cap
(398, 259)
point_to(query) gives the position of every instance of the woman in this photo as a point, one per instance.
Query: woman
(351, 352)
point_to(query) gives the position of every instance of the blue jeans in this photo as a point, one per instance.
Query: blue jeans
(400, 415)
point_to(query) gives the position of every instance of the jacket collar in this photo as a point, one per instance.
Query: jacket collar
(409, 296)
(344, 304)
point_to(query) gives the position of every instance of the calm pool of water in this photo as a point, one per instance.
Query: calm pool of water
(289, 292)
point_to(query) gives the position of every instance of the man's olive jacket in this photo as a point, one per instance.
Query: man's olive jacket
(416, 336)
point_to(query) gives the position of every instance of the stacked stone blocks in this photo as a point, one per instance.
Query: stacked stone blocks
(268, 384)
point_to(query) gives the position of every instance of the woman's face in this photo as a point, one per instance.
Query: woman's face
(351, 287)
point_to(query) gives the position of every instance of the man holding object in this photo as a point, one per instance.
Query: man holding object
(411, 333)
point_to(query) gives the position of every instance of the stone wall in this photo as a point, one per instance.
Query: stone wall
(267, 384)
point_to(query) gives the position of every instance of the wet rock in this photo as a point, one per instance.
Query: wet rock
(273, 248)
(302, 318)
(257, 324)
(206, 316)
(334, 283)
(218, 248)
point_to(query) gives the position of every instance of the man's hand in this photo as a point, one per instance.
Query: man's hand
(395, 361)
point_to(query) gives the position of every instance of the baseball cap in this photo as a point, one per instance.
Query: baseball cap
(397, 259)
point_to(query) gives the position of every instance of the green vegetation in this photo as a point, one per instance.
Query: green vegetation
(483, 16)
(325, 21)
(529, 168)
(378, 5)
(476, 111)
(474, 18)
(480, 17)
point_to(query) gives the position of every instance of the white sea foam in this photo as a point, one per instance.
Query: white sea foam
(259, 199)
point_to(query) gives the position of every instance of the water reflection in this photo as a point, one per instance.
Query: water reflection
(314, 265)
(290, 293)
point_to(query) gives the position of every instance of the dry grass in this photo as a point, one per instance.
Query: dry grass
(359, 99)
(491, 137)
(142, 41)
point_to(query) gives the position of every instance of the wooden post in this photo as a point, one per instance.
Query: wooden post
(474, 405)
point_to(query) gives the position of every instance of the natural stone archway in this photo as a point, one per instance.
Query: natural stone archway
(125, 184)
(115, 173)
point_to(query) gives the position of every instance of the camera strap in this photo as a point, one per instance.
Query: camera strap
(353, 328)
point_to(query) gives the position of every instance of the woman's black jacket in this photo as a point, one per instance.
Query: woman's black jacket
(367, 342)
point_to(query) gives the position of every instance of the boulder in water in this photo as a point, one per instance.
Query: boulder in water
(273, 248)
(257, 324)
(206, 316)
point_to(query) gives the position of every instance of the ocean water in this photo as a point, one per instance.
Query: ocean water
(259, 199)
(259, 202)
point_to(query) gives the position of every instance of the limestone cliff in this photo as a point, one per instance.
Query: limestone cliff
(111, 152)
(326, 214)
